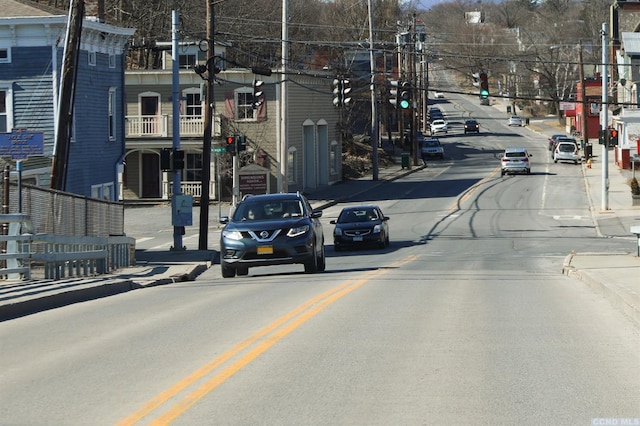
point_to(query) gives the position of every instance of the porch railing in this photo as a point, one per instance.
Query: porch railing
(161, 126)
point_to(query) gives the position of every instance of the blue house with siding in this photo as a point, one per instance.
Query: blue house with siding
(32, 42)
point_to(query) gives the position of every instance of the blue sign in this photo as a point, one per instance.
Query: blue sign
(20, 144)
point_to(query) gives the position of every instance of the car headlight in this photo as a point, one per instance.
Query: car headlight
(377, 229)
(298, 230)
(232, 235)
(337, 231)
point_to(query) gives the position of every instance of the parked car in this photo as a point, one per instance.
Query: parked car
(515, 160)
(553, 139)
(566, 151)
(431, 148)
(563, 138)
(471, 126)
(360, 225)
(515, 120)
(272, 229)
(438, 126)
(438, 95)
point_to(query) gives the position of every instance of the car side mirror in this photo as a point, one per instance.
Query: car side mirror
(316, 213)
(224, 219)
(333, 222)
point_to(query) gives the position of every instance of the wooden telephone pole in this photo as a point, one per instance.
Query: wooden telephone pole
(208, 125)
(66, 97)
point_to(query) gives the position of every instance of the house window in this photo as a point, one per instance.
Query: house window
(112, 60)
(92, 59)
(244, 105)
(6, 124)
(104, 191)
(193, 104)
(334, 157)
(292, 165)
(112, 113)
(5, 55)
(193, 168)
(187, 61)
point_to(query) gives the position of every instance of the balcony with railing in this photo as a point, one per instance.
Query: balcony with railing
(161, 126)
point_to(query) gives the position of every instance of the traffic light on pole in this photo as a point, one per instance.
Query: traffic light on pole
(231, 145)
(405, 95)
(393, 92)
(484, 85)
(476, 79)
(613, 137)
(337, 92)
(258, 94)
(346, 91)
(165, 159)
(242, 143)
(178, 159)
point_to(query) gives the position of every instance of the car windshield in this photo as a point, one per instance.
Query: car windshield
(566, 147)
(359, 215)
(248, 211)
(431, 143)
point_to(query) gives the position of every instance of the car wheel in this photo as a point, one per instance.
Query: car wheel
(227, 271)
(242, 270)
(322, 260)
(575, 162)
(555, 161)
(311, 266)
(528, 171)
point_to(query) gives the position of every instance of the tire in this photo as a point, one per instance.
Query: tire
(555, 161)
(322, 263)
(227, 271)
(311, 266)
(502, 173)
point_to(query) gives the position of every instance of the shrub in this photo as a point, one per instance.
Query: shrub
(635, 188)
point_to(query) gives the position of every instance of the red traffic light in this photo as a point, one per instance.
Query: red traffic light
(614, 133)
(231, 140)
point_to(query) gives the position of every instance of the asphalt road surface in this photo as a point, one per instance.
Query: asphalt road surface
(464, 319)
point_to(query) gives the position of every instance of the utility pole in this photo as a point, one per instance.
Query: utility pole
(604, 115)
(374, 110)
(203, 237)
(585, 113)
(412, 79)
(66, 98)
(178, 229)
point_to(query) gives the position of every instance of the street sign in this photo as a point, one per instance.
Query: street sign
(219, 150)
(20, 144)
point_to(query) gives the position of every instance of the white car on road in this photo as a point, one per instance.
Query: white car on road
(514, 120)
(439, 126)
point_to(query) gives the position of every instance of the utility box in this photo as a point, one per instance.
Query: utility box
(182, 210)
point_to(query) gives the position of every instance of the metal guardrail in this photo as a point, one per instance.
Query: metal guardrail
(60, 256)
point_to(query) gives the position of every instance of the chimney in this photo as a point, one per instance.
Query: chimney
(94, 10)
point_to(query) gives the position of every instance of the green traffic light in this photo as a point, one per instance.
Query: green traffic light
(484, 94)
(404, 104)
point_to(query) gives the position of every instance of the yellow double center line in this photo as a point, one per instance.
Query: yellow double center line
(261, 342)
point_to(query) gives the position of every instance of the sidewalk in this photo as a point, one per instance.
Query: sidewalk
(614, 275)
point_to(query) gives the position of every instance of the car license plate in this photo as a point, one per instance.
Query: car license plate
(357, 238)
(265, 250)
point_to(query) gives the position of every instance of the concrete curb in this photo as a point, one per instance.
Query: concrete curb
(621, 299)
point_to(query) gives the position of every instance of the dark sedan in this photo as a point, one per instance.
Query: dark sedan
(359, 226)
